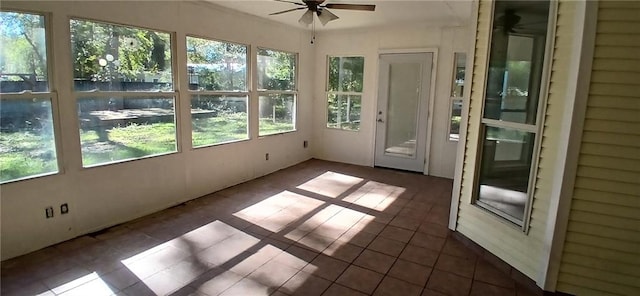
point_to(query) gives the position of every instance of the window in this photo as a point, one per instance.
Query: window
(277, 91)
(344, 92)
(27, 138)
(123, 84)
(457, 93)
(219, 93)
(511, 120)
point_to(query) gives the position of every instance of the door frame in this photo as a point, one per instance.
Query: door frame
(430, 99)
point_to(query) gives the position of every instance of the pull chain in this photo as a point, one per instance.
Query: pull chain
(313, 30)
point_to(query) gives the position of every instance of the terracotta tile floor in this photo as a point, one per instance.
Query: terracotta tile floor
(318, 228)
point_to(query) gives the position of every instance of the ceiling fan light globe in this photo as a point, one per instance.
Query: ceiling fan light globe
(307, 18)
(326, 16)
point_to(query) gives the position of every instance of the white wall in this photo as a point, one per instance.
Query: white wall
(358, 147)
(107, 195)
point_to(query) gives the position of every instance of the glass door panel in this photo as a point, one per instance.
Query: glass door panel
(402, 114)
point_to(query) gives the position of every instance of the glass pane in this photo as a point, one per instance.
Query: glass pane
(459, 66)
(515, 64)
(504, 170)
(218, 119)
(402, 114)
(214, 65)
(277, 113)
(456, 117)
(117, 58)
(124, 128)
(344, 111)
(23, 53)
(345, 74)
(276, 70)
(27, 145)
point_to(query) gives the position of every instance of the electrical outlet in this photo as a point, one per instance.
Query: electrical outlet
(64, 208)
(305, 144)
(266, 156)
(48, 212)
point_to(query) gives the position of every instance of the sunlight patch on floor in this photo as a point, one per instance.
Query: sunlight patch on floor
(330, 184)
(90, 284)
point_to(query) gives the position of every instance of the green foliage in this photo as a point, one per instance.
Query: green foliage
(214, 130)
(269, 127)
(23, 49)
(218, 65)
(128, 142)
(343, 111)
(26, 153)
(130, 52)
(276, 70)
(346, 74)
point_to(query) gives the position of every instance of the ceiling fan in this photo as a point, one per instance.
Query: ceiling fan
(322, 11)
(510, 22)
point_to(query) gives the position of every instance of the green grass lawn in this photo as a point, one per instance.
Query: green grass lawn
(27, 153)
(215, 130)
(268, 127)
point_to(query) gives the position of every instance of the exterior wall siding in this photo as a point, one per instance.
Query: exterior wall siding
(601, 254)
(519, 249)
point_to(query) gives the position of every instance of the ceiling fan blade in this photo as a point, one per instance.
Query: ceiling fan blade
(326, 16)
(365, 7)
(306, 18)
(288, 10)
(296, 3)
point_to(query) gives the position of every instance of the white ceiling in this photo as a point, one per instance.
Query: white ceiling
(389, 12)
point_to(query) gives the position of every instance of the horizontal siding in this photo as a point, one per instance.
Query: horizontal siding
(618, 27)
(615, 52)
(628, 65)
(615, 90)
(629, 212)
(615, 77)
(615, 175)
(611, 114)
(594, 284)
(619, 127)
(618, 40)
(578, 290)
(602, 246)
(610, 150)
(602, 242)
(588, 265)
(624, 164)
(606, 197)
(614, 102)
(606, 231)
(603, 254)
(608, 186)
(604, 219)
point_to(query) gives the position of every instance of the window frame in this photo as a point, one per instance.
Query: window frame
(98, 94)
(454, 99)
(537, 128)
(265, 92)
(51, 95)
(246, 92)
(339, 93)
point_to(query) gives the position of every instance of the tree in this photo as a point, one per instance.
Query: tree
(127, 53)
(218, 65)
(277, 70)
(23, 47)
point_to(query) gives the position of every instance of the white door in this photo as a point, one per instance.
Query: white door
(401, 129)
